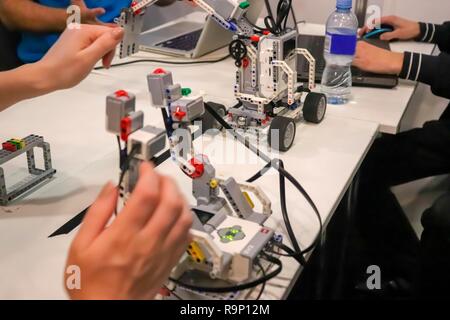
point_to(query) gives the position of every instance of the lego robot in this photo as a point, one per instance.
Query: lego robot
(228, 232)
(14, 148)
(266, 88)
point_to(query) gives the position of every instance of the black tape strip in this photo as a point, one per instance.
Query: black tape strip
(73, 223)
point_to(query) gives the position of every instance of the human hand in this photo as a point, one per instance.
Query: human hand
(403, 29)
(73, 56)
(89, 16)
(133, 257)
(373, 59)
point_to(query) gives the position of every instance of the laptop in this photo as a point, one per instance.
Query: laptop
(315, 45)
(192, 39)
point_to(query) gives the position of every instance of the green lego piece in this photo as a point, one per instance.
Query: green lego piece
(244, 5)
(186, 91)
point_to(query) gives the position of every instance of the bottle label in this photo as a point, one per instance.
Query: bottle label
(340, 44)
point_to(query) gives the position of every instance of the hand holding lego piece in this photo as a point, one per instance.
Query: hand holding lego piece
(131, 258)
(67, 63)
(72, 58)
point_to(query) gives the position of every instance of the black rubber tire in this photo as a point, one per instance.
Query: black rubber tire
(208, 121)
(282, 124)
(315, 107)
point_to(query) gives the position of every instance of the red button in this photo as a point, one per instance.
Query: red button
(179, 114)
(121, 93)
(159, 71)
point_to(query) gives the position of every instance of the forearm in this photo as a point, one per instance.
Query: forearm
(26, 15)
(431, 70)
(435, 33)
(22, 83)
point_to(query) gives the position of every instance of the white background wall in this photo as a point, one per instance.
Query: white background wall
(430, 10)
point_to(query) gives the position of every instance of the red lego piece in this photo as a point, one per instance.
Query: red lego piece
(133, 4)
(199, 168)
(266, 32)
(8, 146)
(159, 71)
(255, 38)
(125, 128)
(245, 63)
(179, 114)
(121, 93)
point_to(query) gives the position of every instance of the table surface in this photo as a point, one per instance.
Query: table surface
(324, 159)
(383, 106)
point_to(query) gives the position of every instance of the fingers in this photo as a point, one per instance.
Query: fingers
(363, 31)
(389, 36)
(143, 202)
(108, 58)
(103, 43)
(179, 237)
(98, 216)
(94, 13)
(168, 212)
(391, 20)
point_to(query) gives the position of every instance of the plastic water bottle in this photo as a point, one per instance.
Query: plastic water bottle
(340, 47)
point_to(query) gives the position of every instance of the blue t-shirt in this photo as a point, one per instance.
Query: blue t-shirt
(34, 46)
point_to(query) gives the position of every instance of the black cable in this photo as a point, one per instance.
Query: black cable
(173, 293)
(278, 24)
(125, 168)
(277, 165)
(239, 287)
(287, 222)
(165, 62)
(263, 286)
(291, 253)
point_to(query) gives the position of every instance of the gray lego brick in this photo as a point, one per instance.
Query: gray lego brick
(26, 185)
(8, 194)
(32, 141)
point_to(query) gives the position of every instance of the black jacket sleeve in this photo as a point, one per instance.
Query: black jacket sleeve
(431, 70)
(435, 33)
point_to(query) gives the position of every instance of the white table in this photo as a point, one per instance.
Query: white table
(324, 159)
(383, 106)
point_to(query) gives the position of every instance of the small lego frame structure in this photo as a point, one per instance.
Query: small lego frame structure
(12, 149)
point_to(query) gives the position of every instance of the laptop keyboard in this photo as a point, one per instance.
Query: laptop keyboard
(186, 42)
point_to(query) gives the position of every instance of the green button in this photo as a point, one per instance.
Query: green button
(186, 91)
(244, 5)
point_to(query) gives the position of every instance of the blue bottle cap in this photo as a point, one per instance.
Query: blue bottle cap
(344, 4)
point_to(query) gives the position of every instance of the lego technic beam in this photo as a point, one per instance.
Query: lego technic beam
(14, 148)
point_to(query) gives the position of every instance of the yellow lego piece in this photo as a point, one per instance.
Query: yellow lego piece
(249, 200)
(196, 253)
(19, 143)
(214, 183)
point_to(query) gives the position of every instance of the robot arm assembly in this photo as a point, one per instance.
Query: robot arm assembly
(228, 232)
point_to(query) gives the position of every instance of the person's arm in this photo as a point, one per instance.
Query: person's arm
(427, 69)
(27, 15)
(67, 63)
(132, 257)
(431, 70)
(435, 33)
